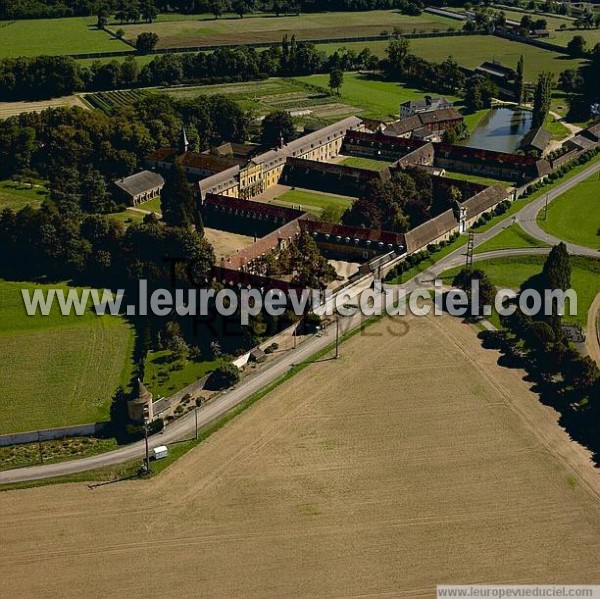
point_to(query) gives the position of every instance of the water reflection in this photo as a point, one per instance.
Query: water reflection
(501, 130)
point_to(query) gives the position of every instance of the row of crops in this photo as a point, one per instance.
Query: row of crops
(111, 101)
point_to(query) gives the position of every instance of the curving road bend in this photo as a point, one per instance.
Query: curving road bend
(527, 217)
(185, 426)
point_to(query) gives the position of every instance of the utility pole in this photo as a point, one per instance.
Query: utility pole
(546, 207)
(470, 251)
(147, 450)
(196, 419)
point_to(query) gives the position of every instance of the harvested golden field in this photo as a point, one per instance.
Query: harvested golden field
(411, 461)
(8, 109)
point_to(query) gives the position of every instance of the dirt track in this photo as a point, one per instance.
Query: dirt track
(409, 462)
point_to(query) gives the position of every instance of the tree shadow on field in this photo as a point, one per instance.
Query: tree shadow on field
(580, 420)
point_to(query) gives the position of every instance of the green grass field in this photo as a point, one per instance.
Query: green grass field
(554, 22)
(152, 205)
(575, 215)
(473, 50)
(164, 379)
(476, 179)
(374, 96)
(17, 195)
(511, 272)
(313, 201)
(206, 30)
(54, 37)
(562, 38)
(556, 128)
(58, 370)
(371, 164)
(377, 98)
(127, 217)
(513, 236)
(522, 202)
(474, 118)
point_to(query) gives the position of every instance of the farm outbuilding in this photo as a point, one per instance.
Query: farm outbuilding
(141, 187)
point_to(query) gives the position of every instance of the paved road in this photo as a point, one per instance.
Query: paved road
(185, 426)
(527, 217)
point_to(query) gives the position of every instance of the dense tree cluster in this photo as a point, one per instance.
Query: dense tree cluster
(276, 127)
(550, 353)
(402, 65)
(60, 244)
(406, 201)
(303, 260)
(479, 91)
(583, 87)
(563, 377)
(60, 145)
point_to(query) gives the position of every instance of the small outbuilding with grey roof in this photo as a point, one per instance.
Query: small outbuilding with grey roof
(140, 187)
(536, 140)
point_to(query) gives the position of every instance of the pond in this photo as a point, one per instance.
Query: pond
(502, 130)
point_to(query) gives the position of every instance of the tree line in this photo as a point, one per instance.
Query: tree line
(45, 77)
(147, 10)
(564, 378)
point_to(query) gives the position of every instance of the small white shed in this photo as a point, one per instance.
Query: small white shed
(162, 451)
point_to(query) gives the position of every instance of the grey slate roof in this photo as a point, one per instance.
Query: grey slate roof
(582, 142)
(537, 138)
(484, 200)
(140, 183)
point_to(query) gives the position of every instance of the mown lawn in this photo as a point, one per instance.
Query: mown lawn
(76, 35)
(473, 50)
(511, 272)
(562, 38)
(376, 97)
(370, 164)
(512, 237)
(556, 128)
(575, 215)
(313, 201)
(152, 205)
(18, 195)
(165, 375)
(476, 179)
(206, 30)
(58, 370)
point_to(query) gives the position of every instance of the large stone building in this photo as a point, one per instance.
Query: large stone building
(423, 125)
(426, 104)
(261, 172)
